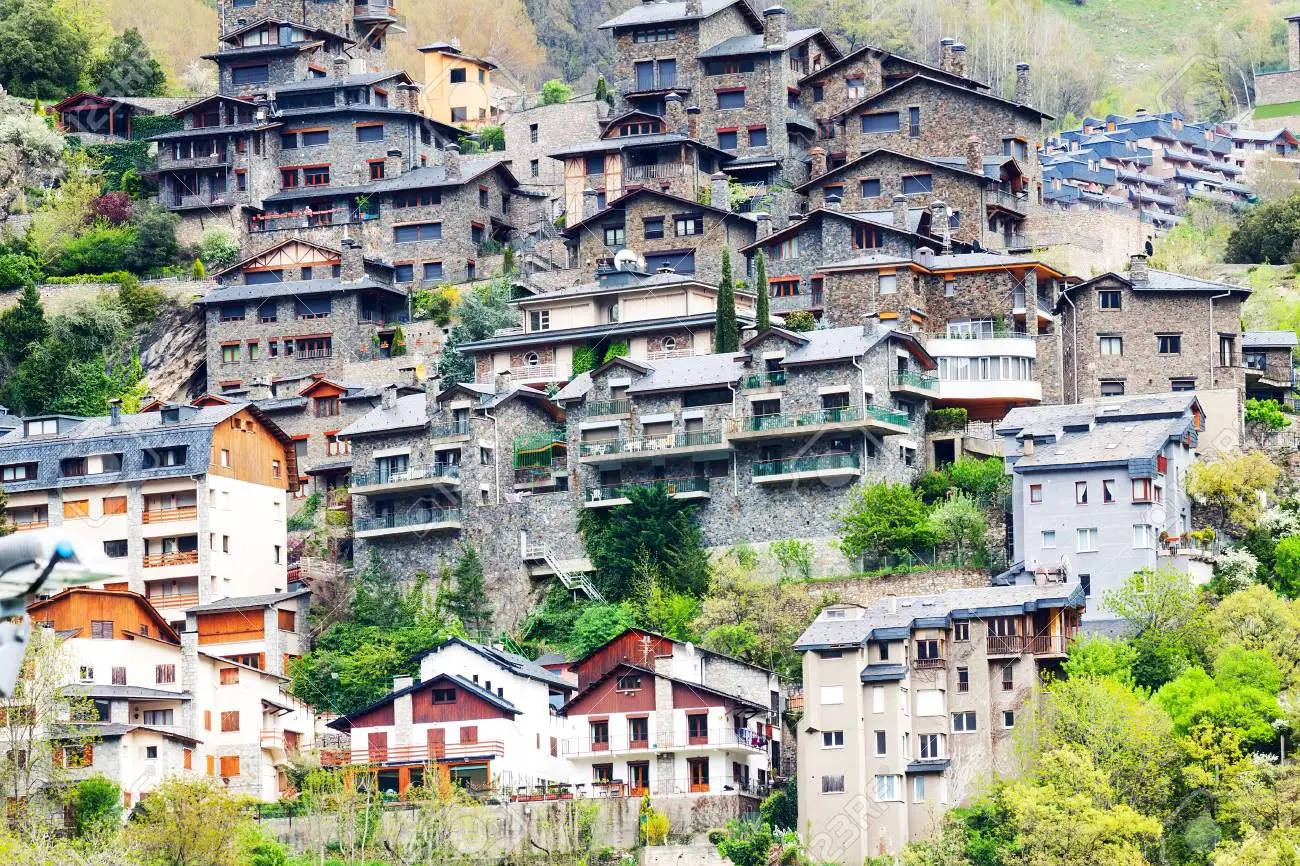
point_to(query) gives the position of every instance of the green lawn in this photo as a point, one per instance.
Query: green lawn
(1277, 109)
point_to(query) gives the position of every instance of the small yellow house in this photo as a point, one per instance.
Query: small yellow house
(457, 86)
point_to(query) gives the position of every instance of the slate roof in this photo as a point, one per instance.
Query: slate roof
(330, 82)
(248, 601)
(1106, 443)
(754, 43)
(915, 79)
(883, 218)
(953, 164)
(684, 203)
(1268, 339)
(661, 12)
(344, 723)
(576, 388)
(289, 288)
(226, 54)
(112, 731)
(695, 371)
(1048, 419)
(898, 615)
(626, 141)
(408, 413)
(1161, 281)
(280, 404)
(210, 130)
(637, 326)
(882, 673)
(511, 662)
(126, 693)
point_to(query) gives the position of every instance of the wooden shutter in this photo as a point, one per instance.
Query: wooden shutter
(287, 620)
(437, 743)
(229, 766)
(229, 722)
(212, 765)
(469, 734)
(119, 676)
(377, 746)
(188, 755)
(115, 505)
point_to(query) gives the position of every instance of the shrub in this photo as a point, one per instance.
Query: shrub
(794, 556)
(556, 91)
(98, 249)
(97, 806)
(584, 359)
(982, 479)
(1265, 415)
(800, 321)
(436, 304)
(155, 243)
(946, 420)
(197, 271)
(615, 350)
(17, 271)
(142, 303)
(113, 207)
(131, 183)
(218, 249)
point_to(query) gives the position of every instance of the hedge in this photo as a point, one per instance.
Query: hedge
(115, 277)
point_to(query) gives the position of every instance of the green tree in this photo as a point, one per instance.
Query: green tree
(652, 534)
(884, 518)
(218, 249)
(1265, 415)
(189, 822)
(18, 271)
(468, 597)
(556, 91)
(800, 321)
(598, 624)
(762, 318)
(22, 325)
(959, 522)
(604, 93)
(99, 249)
(726, 330)
(984, 479)
(127, 68)
(96, 806)
(142, 304)
(1101, 656)
(155, 238)
(1241, 696)
(42, 53)
(780, 809)
(1230, 486)
(1266, 233)
(435, 304)
(1286, 566)
(480, 313)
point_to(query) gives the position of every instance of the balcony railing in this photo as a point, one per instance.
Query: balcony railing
(725, 737)
(159, 515)
(660, 82)
(843, 415)
(763, 380)
(1039, 644)
(818, 463)
(421, 754)
(157, 560)
(30, 525)
(414, 517)
(929, 664)
(650, 443)
(533, 371)
(670, 353)
(456, 428)
(803, 301)
(914, 381)
(1008, 200)
(176, 599)
(273, 740)
(656, 171)
(673, 486)
(608, 407)
(416, 472)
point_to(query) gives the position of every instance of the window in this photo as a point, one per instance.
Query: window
(403, 273)
(115, 549)
(458, 75)
(855, 88)
(832, 739)
(1008, 719)
(727, 139)
(961, 631)
(930, 747)
(888, 788)
(18, 472)
(1049, 538)
(867, 237)
(241, 75)
(729, 67)
(870, 188)
(230, 720)
(1109, 299)
(883, 122)
(432, 270)
(731, 99)
(417, 198)
(101, 629)
(614, 237)
(1144, 536)
(638, 730)
(963, 723)
(444, 696)
(229, 676)
(600, 734)
(928, 649)
(1142, 491)
(316, 175)
(532, 133)
(86, 674)
(229, 766)
(918, 789)
(758, 136)
(963, 679)
(881, 743)
(1111, 388)
(376, 167)
(225, 458)
(164, 674)
(688, 225)
(914, 122)
(1081, 493)
(832, 695)
(1169, 344)
(1182, 384)
(697, 727)
(315, 137)
(326, 407)
(832, 784)
(158, 717)
(534, 168)
(1108, 491)
(417, 232)
(370, 132)
(888, 284)
(877, 699)
(1035, 493)
(1008, 677)
(1087, 540)
(539, 320)
(914, 184)
(654, 228)
(1112, 345)
(629, 683)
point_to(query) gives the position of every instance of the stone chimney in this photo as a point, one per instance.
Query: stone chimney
(115, 412)
(693, 122)
(674, 114)
(408, 97)
(588, 203)
(393, 163)
(1027, 446)
(340, 67)
(451, 161)
(939, 224)
(958, 60)
(405, 682)
(974, 155)
(388, 397)
(774, 26)
(945, 53)
(900, 211)
(259, 389)
(1137, 268)
(694, 9)
(818, 156)
(502, 381)
(764, 220)
(833, 202)
(718, 189)
(1022, 83)
(1293, 44)
(924, 256)
(352, 265)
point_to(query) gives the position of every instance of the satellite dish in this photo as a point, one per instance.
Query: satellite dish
(628, 260)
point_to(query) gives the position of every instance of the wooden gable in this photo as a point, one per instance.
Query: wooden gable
(605, 696)
(323, 388)
(466, 707)
(76, 608)
(634, 645)
(231, 626)
(292, 253)
(254, 446)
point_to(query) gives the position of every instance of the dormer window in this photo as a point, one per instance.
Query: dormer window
(155, 458)
(171, 415)
(42, 427)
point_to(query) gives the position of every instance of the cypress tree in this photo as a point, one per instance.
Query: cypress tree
(762, 318)
(468, 596)
(726, 332)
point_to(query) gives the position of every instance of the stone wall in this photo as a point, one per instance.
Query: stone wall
(557, 126)
(1272, 88)
(867, 591)
(1087, 242)
(60, 297)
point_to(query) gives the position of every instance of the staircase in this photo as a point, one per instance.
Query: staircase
(572, 582)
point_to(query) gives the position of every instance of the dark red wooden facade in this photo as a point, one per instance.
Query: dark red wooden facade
(634, 646)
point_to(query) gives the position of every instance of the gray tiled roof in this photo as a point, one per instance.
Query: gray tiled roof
(248, 601)
(509, 661)
(659, 12)
(1105, 443)
(1268, 339)
(868, 261)
(916, 79)
(1048, 419)
(424, 177)
(577, 387)
(126, 692)
(280, 404)
(637, 326)
(210, 130)
(694, 371)
(834, 344)
(407, 413)
(956, 164)
(1166, 281)
(754, 43)
(882, 673)
(901, 612)
(289, 288)
(623, 142)
(329, 82)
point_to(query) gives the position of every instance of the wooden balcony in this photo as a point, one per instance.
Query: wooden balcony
(160, 515)
(1038, 644)
(417, 754)
(656, 171)
(179, 599)
(158, 560)
(30, 525)
(929, 664)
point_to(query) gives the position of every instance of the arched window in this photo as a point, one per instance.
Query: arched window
(670, 344)
(531, 359)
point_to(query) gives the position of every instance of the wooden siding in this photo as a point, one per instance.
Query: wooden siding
(468, 707)
(230, 626)
(606, 698)
(76, 608)
(627, 647)
(376, 717)
(252, 449)
(686, 697)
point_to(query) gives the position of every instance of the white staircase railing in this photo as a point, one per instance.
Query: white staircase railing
(574, 582)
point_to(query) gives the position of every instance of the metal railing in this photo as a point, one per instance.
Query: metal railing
(656, 171)
(456, 428)
(424, 753)
(157, 560)
(918, 381)
(159, 515)
(1008, 200)
(843, 415)
(415, 517)
(763, 380)
(650, 443)
(818, 463)
(979, 335)
(579, 582)
(1039, 644)
(609, 407)
(673, 486)
(31, 525)
(618, 741)
(414, 472)
(929, 664)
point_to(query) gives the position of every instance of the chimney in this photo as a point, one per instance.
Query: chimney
(388, 397)
(818, 155)
(1022, 83)
(451, 161)
(1137, 268)
(1027, 446)
(588, 203)
(832, 202)
(408, 97)
(115, 412)
(694, 9)
(454, 42)
(900, 211)
(674, 114)
(352, 265)
(340, 67)
(259, 389)
(867, 325)
(939, 219)
(958, 60)
(502, 381)
(974, 155)
(693, 122)
(1293, 44)
(393, 163)
(945, 53)
(924, 256)
(400, 683)
(1142, 112)
(764, 220)
(719, 197)
(774, 26)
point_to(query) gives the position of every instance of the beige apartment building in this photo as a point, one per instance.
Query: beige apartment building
(910, 706)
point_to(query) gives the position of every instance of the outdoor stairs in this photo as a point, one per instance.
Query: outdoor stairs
(575, 583)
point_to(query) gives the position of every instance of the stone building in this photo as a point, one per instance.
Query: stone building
(533, 133)
(911, 704)
(665, 230)
(1146, 331)
(1269, 359)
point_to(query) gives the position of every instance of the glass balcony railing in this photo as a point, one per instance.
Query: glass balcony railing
(650, 443)
(763, 380)
(844, 415)
(414, 517)
(673, 486)
(413, 472)
(818, 463)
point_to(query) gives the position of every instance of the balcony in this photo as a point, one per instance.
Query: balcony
(180, 557)
(1007, 201)
(199, 200)
(768, 379)
(602, 408)
(167, 162)
(614, 494)
(915, 384)
(1019, 644)
(1015, 241)
(175, 600)
(273, 741)
(657, 171)
(417, 754)
(883, 422)
(30, 525)
(1042, 305)
(929, 664)
(658, 84)
(678, 740)
(823, 467)
(670, 353)
(161, 515)
(533, 373)
(379, 481)
(803, 301)
(698, 443)
(414, 521)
